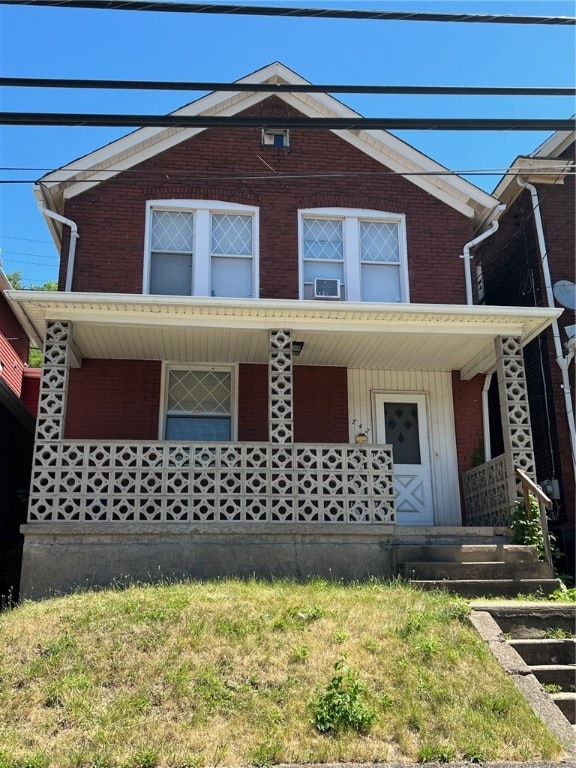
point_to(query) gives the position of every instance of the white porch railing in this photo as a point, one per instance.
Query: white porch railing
(488, 496)
(84, 481)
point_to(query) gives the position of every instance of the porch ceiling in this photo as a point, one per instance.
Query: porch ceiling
(183, 329)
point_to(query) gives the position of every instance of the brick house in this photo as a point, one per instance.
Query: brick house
(18, 397)
(265, 355)
(530, 262)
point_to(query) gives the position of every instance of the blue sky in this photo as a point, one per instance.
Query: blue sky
(97, 44)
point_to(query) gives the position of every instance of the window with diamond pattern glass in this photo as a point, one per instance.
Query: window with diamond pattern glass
(323, 252)
(172, 246)
(198, 405)
(380, 261)
(231, 253)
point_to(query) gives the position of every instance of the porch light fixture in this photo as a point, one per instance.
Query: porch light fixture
(297, 347)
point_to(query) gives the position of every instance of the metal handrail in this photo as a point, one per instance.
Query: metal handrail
(544, 503)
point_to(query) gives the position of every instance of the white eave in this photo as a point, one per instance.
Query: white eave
(395, 154)
(535, 170)
(354, 335)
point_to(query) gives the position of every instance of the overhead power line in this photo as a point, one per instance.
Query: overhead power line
(154, 85)
(315, 13)
(332, 123)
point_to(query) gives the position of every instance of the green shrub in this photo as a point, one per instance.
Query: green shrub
(341, 707)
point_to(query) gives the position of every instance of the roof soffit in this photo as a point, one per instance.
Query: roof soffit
(140, 145)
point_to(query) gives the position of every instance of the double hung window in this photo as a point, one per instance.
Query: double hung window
(201, 248)
(364, 250)
(198, 405)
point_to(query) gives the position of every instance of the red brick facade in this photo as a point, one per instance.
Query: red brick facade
(120, 400)
(467, 399)
(111, 216)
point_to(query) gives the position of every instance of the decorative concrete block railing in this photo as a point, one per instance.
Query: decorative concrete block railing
(81, 481)
(489, 493)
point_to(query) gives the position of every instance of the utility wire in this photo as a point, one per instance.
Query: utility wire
(332, 123)
(154, 85)
(317, 13)
(158, 176)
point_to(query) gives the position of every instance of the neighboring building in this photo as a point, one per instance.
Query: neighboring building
(17, 410)
(531, 262)
(262, 358)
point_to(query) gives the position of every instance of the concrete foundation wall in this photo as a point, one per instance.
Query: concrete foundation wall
(65, 562)
(60, 560)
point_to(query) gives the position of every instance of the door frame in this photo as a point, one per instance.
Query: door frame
(421, 399)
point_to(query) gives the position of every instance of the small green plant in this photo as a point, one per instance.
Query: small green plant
(266, 754)
(527, 528)
(144, 758)
(552, 688)
(300, 653)
(435, 753)
(341, 707)
(557, 633)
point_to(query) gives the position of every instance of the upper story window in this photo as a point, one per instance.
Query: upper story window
(201, 248)
(354, 255)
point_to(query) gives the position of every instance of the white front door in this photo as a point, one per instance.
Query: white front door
(402, 423)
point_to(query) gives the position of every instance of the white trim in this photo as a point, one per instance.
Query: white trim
(352, 266)
(233, 369)
(421, 399)
(83, 173)
(202, 257)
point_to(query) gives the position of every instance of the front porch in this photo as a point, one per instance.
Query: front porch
(100, 510)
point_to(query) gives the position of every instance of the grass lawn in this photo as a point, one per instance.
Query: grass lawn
(235, 673)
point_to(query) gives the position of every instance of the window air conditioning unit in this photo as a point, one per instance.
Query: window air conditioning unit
(327, 288)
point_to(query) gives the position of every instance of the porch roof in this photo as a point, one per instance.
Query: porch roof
(350, 334)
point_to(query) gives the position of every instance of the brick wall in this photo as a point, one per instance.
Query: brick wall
(513, 276)
(13, 347)
(111, 216)
(467, 399)
(114, 400)
(120, 400)
(31, 389)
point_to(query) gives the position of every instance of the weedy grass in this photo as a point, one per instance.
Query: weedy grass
(232, 673)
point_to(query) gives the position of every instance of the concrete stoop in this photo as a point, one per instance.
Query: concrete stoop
(477, 570)
(535, 644)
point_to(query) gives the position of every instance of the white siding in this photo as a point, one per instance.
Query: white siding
(437, 386)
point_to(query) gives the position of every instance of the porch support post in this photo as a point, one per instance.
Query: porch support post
(50, 420)
(280, 389)
(515, 415)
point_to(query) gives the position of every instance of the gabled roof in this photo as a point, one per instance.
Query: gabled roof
(85, 172)
(543, 166)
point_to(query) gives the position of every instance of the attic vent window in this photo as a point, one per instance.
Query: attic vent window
(275, 137)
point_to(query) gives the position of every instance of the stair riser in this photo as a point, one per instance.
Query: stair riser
(476, 571)
(559, 675)
(465, 553)
(537, 652)
(567, 707)
(536, 626)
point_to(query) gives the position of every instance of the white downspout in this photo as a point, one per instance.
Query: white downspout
(485, 417)
(467, 257)
(73, 238)
(563, 362)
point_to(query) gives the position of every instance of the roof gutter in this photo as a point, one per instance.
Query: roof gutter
(563, 361)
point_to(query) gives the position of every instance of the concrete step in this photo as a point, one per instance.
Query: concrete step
(462, 553)
(556, 674)
(532, 620)
(491, 587)
(427, 571)
(538, 652)
(566, 703)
